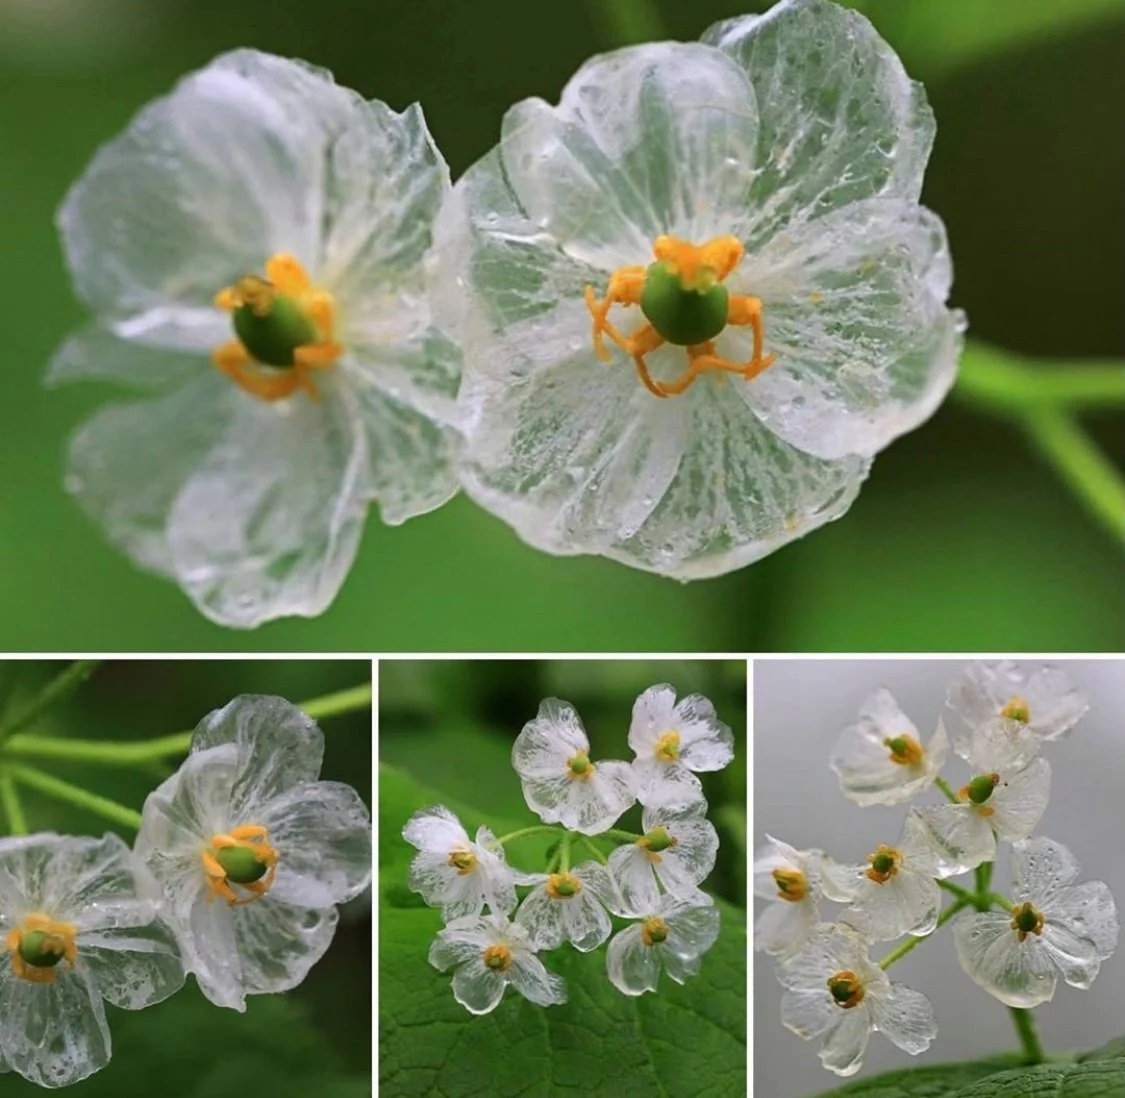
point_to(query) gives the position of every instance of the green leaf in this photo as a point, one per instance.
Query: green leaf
(682, 1040)
(939, 1081)
(1092, 1079)
(1108, 1051)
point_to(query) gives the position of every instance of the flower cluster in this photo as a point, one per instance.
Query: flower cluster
(1050, 927)
(652, 878)
(239, 863)
(376, 334)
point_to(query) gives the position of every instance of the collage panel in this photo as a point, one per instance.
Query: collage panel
(562, 877)
(185, 878)
(975, 802)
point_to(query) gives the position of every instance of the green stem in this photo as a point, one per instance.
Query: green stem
(983, 876)
(502, 839)
(64, 791)
(564, 859)
(13, 809)
(594, 849)
(57, 689)
(958, 891)
(620, 836)
(626, 22)
(907, 946)
(945, 787)
(1000, 901)
(999, 382)
(1029, 1037)
(134, 752)
(1090, 475)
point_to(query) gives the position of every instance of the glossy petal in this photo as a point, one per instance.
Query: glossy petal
(1019, 974)
(999, 744)
(845, 1045)
(908, 903)
(550, 921)
(1088, 910)
(705, 742)
(693, 928)
(544, 744)
(959, 838)
(633, 967)
(782, 928)
(1042, 870)
(532, 980)
(477, 988)
(840, 119)
(809, 1013)
(984, 689)
(906, 1017)
(1075, 958)
(134, 967)
(1020, 801)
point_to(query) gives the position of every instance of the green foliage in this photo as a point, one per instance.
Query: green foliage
(1092, 1079)
(682, 1040)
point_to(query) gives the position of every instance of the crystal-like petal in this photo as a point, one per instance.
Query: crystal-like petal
(1088, 911)
(545, 743)
(478, 988)
(908, 903)
(1020, 800)
(905, 1017)
(134, 967)
(959, 837)
(532, 980)
(632, 966)
(1019, 974)
(1076, 958)
(845, 1045)
(782, 928)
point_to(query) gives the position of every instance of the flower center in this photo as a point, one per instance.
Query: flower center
(654, 930)
(884, 863)
(656, 842)
(562, 886)
(285, 328)
(243, 857)
(1026, 920)
(846, 989)
(498, 958)
(38, 945)
(1017, 709)
(580, 767)
(685, 303)
(792, 884)
(978, 791)
(668, 747)
(464, 861)
(905, 750)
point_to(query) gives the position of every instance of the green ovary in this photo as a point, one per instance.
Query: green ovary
(273, 337)
(41, 949)
(980, 788)
(240, 864)
(683, 316)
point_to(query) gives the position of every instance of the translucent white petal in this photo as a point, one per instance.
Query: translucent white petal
(542, 917)
(837, 882)
(597, 804)
(776, 855)
(1076, 958)
(268, 523)
(435, 829)
(322, 832)
(828, 949)
(635, 875)
(460, 941)
(677, 967)
(985, 689)
(981, 691)
(693, 928)
(633, 967)
(1020, 800)
(782, 928)
(278, 943)
(1055, 703)
(532, 980)
(854, 309)
(127, 464)
(544, 745)
(54, 1034)
(134, 967)
(586, 922)
(1001, 745)
(661, 784)
(1019, 974)
(205, 183)
(279, 747)
(809, 1013)
(840, 119)
(905, 1017)
(1042, 870)
(908, 903)
(105, 351)
(207, 943)
(648, 140)
(705, 742)
(654, 713)
(845, 1045)
(958, 837)
(478, 988)
(1088, 911)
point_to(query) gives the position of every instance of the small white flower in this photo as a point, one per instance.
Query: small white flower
(1055, 928)
(880, 759)
(266, 221)
(896, 891)
(674, 935)
(252, 851)
(569, 907)
(1045, 701)
(832, 988)
(1005, 798)
(677, 850)
(454, 873)
(671, 740)
(796, 880)
(560, 783)
(697, 295)
(489, 953)
(79, 922)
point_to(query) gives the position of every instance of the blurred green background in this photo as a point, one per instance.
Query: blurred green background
(963, 539)
(315, 1039)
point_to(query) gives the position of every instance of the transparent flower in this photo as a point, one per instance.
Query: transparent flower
(756, 195)
(569, 907)
(833, 989)
(489, 953)
(896, 892)
(252, 852)
(262, 220)
(454, 873)
(1045, 701)
(796, 880)
(677, 850)
(79, 923)
(560, 783)
(880, 759)
(671, 740)
(1055, 928)
(1005, 798)
(673, 936)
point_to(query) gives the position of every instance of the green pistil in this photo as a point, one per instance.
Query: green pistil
(683, 316)
(240, 864)
(883, 863)
(41, 949)
(658, 840)
(981, 787)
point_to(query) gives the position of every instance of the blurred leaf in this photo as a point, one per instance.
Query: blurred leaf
(938, 1081)
(1094, 1079)
(682, 1040)
(1108, 1051)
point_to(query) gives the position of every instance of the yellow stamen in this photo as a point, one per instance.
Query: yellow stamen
(792, 884)
(654, 930)
(286, 280)
(249, 837)
(498, 958)
(579, 767)
(668, 747)
(846, 988)
(905, 750)
(464, 861)
(1027, 920)
(57, 942)
(1017, 709)
(563, 886)
(884, 863)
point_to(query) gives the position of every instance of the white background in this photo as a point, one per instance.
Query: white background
(800, 708)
